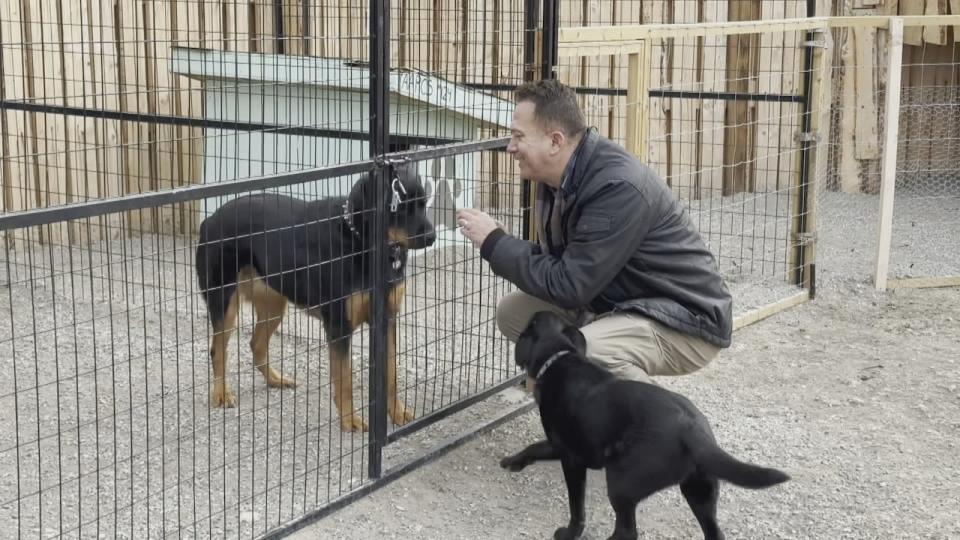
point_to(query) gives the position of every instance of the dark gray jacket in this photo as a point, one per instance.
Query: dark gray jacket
(627, 244)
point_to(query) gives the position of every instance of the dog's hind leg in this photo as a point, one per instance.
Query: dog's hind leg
(701, 492)
(632, 481)
(222, 395)
(270, 306)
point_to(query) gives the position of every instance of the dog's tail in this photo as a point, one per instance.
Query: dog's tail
(715, 461)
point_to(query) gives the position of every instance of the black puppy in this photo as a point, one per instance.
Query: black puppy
(646, 437)
(272, 249)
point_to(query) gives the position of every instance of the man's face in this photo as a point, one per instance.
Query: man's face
(531, 145)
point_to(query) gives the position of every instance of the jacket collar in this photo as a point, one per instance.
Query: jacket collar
(573, 175)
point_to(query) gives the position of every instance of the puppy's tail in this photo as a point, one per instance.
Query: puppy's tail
(714, 460)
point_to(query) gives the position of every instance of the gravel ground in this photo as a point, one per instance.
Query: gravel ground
(113, 432)
(865, 417)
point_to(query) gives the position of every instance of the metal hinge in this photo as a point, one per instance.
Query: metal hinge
(817, 42)
(805, 239)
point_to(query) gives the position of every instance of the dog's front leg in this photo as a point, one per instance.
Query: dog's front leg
(575, 476)
(538, 451)
(397, 409)
(341, 377)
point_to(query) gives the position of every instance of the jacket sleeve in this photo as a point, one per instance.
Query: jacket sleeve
(611, 226)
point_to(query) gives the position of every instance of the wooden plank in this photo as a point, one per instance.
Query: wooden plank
(849, 168)
(586, 41)
(774, 66)
(35, 125)
(924, 282)
(759, 314)
(889, 170)
(682, 117)
(913, 35)
(739, 120)
(713, 68)
(10, 156)
(867, 133)
(935, 35)
(955, 10)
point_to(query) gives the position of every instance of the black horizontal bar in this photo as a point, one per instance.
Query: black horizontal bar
(138, 201)
(444, 412)
(727, 96)
(190, 121)
(395, 473)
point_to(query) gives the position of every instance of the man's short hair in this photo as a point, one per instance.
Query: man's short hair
(555, 104)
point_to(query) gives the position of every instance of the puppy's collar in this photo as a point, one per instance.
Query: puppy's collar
(549, 362)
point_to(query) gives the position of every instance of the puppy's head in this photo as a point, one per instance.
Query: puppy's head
(545, 335)
(408, 223)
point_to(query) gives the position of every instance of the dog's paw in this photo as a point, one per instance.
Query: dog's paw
(223, 397)
(568, 533)
(353, 423)
(514, 463)
(401, 415)
(282, 382)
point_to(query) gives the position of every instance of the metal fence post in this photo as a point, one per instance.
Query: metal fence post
(379, 145)
(804, 222)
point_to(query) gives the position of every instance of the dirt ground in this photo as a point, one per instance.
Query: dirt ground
(854, 394)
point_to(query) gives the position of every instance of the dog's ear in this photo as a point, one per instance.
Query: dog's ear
(363, 194)
(576, 337)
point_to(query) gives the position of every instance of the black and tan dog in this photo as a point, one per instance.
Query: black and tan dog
(272, 249)
(646, 437)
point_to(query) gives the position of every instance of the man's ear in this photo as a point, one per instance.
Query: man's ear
(557, 140)
(576, 338)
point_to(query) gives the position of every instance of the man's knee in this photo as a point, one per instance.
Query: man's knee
(512, 315)
(515, 310)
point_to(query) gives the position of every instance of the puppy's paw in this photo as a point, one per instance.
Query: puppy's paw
(223, 397)
(514, 463)
(401, 414)
(568, 532)
(353, 423)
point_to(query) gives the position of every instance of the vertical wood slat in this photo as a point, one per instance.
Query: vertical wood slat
(739, 126)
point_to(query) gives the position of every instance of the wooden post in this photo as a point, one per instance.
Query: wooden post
(889, 166)
(638, 100)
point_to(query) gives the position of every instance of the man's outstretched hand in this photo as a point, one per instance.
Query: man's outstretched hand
(475, 225)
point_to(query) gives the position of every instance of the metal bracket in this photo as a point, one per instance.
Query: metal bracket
(806, 238)
(807, 136)
(819, 41)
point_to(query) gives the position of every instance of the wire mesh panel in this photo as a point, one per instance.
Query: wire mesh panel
(724, 129)
(924, 241)
(201, 365)
(923, 238)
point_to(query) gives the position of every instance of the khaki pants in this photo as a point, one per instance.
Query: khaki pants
(629, 345)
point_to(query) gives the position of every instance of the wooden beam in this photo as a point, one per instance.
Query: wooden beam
(924, 282)
(600, 40)
(638, 101)
(889, 167)
(739, 129)
(769, 310)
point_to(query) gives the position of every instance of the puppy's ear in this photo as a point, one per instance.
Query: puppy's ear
(363, 194)
(576, 337)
